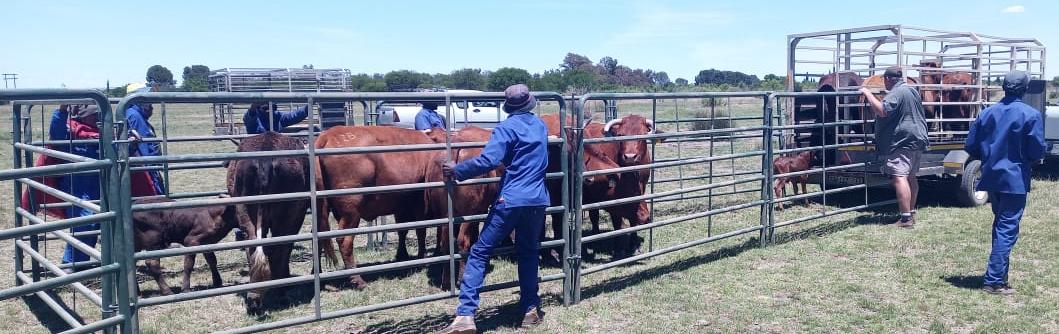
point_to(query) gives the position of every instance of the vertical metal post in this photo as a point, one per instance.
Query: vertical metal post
(165, 151)
(568, 243)
(709, 179)
(16, 137)
(651, 231)
(119, 200)
(314, 206)
(680, 168)
(576, 169)
(767, 235)
(26, 130)
(450, 187)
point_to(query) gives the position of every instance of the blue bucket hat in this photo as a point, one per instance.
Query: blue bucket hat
(517, 98)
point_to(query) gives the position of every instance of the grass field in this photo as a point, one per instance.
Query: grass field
(846, 273)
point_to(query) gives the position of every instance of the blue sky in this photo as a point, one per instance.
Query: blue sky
(83, 44)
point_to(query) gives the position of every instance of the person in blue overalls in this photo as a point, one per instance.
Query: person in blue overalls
(263, 117)
(1007, 138)
(80, 126)
(428, 117)
(520, 144)
(137, 118)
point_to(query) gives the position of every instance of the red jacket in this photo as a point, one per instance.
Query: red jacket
(141, 182)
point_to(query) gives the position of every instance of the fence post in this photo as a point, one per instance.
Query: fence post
(16, 137)
(573, 216)
(119, 200)
(767, 223)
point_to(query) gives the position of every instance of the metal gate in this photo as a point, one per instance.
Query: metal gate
(713, 160)
(30, 232)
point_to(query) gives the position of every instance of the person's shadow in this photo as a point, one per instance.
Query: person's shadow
(965, 281)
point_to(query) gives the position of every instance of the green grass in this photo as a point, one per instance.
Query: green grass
(847, 273)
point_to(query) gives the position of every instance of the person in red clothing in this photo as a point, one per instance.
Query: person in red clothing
(76, 123)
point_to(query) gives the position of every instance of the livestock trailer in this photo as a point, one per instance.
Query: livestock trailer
(957, 73)
(228, 116)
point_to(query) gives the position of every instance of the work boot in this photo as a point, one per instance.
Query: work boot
(1002, 289)
(463, 324)
(532, 318)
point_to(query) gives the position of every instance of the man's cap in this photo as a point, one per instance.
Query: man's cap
(85, 111)
(893, 72)
(518, 98)
(1016, 82)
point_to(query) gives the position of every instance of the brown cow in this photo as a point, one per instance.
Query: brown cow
(264, 176)
(368, 170)
(878, 84)
(933, 94)
(154, 230)
(602, 187)
(790, 164)
(466, 200)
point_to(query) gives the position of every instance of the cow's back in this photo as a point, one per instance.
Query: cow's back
(372, 169)
(271, 175)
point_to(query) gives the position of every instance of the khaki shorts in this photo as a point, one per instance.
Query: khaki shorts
(902, 163)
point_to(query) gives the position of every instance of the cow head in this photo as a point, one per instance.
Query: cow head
(631, 152)
(595, 160)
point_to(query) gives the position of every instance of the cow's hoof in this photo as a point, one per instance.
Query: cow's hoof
(358, 283)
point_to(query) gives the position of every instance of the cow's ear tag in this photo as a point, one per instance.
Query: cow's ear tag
(612, 184)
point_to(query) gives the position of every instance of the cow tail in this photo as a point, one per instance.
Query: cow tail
(259, 268)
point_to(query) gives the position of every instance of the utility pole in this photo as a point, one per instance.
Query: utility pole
(10, 80)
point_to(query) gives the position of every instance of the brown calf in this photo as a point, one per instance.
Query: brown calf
(790, 164)
(154, 230)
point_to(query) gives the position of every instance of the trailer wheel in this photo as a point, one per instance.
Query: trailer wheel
(967, 196)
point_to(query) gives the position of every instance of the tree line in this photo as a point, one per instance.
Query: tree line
(576, 74)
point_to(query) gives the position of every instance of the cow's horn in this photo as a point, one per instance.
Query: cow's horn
(606, 128)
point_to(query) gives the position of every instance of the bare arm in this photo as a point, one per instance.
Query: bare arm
(874, 102)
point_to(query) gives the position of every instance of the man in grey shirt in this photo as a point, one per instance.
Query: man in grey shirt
(900, 137)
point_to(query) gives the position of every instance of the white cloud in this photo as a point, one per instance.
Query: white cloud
(1015, 9)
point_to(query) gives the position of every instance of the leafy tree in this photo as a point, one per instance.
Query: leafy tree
(404, 80)
(580, 81)
(508, 76)
(574, 61)
(609, 65)
(731, 78)
(160, 77)
(467, 78)
(660, 79)
(195, 78)
(551, 80)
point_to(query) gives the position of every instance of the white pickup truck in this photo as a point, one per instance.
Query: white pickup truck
(484, 114)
